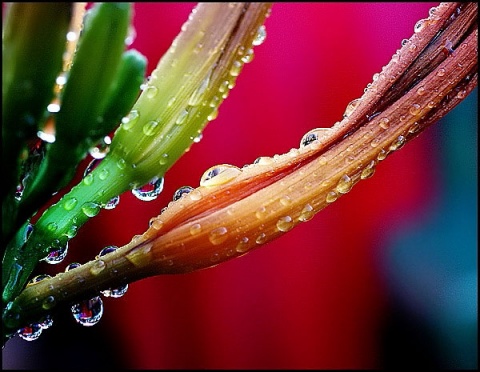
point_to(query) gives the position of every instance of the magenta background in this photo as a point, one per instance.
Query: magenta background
(315, 298)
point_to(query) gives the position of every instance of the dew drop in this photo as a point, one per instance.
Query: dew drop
(121, 163)
(261, 212)
(236, 68)
(317, 134)
(263, 160)
(285, 223)
(262, 238)
(345, 184)
(242, 245)
(72, 266)
(30, 332)
(307, 213)
(351, 107)
(101, 150)
(195, 194)
(97, 267)
(260, 36)
(116, 292)
(149, 129)
(129, 121)
(421, 91)
(150, 191)
(37, 279)
(213, 115)
(156, 223)
(49, 303)
(112, 203)
(441, 72)
(195, 229)
(368, 171)
(415, 127)
(405, 42)
(89, 312)
(219, 175)
(218, 236)
(90, 209)
(182, 191)
(46, 322)
(382, 155)
(331, 197)
(57, 256)
(415, 109)
(248, 56)
(398, 143)
(151, 91)
(182, 117)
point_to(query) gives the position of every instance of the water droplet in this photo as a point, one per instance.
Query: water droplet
(91, 209)
(112, 203)
(248, 56)
(132, 34)
(198, 95)
(182, 117)
(71, 266)
(37, 279)
(97, 267)
(149, 129)
(195, 194)
(317, 134)
(47, 137)
(57, 256)
(351, 107)
(331, 197)
(382, 155)
(236, 68)
(414, 109)
(262, 238)
(261, 212)
(195, 229)
(285, 200)
(150, 191)
(345, 184)
(421, 91)
(218, 235)
(129, 121)
(285, 223)
(441, 72)
(101, 150)
(72, 231)
(30, 332)
(151, 91)
(49, 303)
(461, 94)
(414, 128)
(182, 191)
(213, 115)
(198, 138)
(89, 312)
(368, 171)
(260, 36)
(242, 245)
(398, 143)
(70, 203)
(405, 42)
(263, 160)
(46, 322)
(219, 175)
(307, 213)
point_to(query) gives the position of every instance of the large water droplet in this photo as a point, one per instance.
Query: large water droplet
(112, 203)
(37, 279)
(317, 134)
(307, 213)
(115, 292)
(219, 175)
(331, 197)
(89, 312)
(149, 128)
(70, 203)
(150, 191)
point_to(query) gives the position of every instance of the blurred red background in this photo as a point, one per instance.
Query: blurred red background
(320, 296)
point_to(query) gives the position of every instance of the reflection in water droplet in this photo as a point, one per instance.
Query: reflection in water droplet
(116, 292)
(182, 191)
(37, 279)
(57, 256)
(89, 312)
(320, 134)
(351, 107)
(150, 191)
(112, 203)
(219, 175)
(30, 332)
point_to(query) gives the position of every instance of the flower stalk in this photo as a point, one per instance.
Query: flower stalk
(234, 211)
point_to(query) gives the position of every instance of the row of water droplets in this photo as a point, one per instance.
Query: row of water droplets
(86, 313)
(221, 174)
